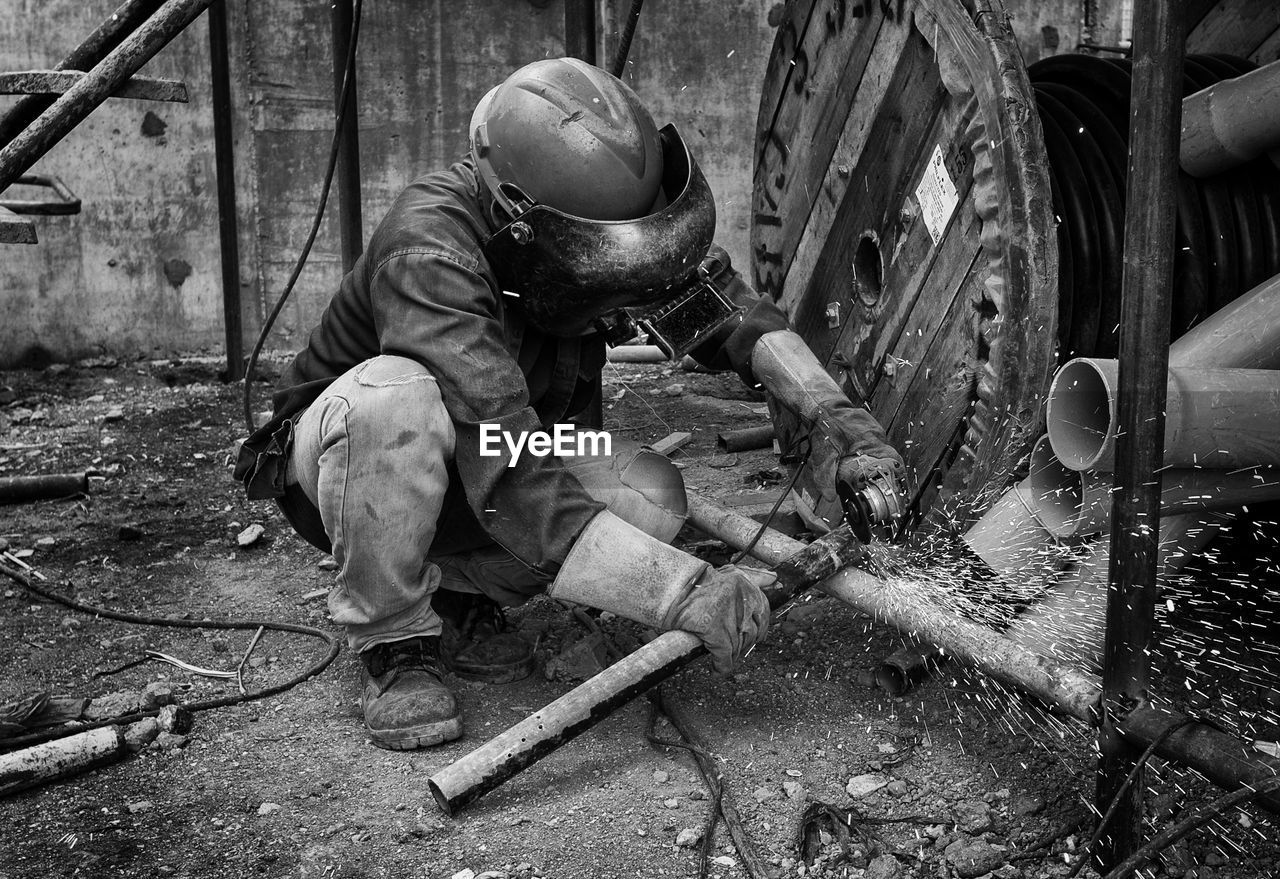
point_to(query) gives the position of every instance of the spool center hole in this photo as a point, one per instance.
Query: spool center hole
(867, 269)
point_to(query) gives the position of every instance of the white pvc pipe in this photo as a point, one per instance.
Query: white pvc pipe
(1057, 491)
(1011, 537)
(1244, 334)
(1231, 122)
(1083, 509)
(1070, 622)
(1214, 417)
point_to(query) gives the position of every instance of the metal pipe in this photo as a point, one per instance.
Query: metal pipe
(1231, 122)
(509, 752)
(1219, 756)
(580, 30)
(906, 605)
(72, 107)
(224, 162)
(1213, 417)
(745, 439)
(126, 19)
(908, 666)
(61, 758)
(637, 354)
(22, 489)
(1145, 298)
(350, 217)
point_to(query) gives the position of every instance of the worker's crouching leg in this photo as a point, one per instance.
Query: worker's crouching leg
(370, 455)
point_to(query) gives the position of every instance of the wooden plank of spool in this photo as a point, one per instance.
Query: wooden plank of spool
(812, 231)
(1236, 27)
(837, 49)
(881, 340)
(783, 61)
(956, 297)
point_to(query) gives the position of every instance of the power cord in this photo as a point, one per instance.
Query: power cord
(332, 642)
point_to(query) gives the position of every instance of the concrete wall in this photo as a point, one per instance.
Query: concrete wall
(138, 271)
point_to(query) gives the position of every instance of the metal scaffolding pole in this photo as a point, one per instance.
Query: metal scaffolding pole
(124, 21)
(106, 77)
(225, 170)
(1146, 292)
(350, 217)
(580, 30)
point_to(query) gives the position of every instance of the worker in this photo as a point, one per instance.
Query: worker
(404, 438)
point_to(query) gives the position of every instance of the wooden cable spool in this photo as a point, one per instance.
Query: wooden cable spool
(902, 216)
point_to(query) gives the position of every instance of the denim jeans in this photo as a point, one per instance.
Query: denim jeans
(371, 454)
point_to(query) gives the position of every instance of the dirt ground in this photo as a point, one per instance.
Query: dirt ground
(954, 779)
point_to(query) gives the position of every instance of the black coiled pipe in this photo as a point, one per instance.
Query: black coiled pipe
(1228, 229)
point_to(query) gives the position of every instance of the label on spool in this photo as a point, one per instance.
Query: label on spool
(937, 196)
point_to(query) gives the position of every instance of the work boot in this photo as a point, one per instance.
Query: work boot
(406, 704)
(476, 643)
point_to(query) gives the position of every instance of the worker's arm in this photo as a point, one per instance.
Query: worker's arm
(615, 566)
(847, 444)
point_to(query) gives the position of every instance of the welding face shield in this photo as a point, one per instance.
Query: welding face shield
(574, 275)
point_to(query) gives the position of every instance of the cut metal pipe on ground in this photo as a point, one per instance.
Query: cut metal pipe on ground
(906, 607)
(508, 753)
(22, 489)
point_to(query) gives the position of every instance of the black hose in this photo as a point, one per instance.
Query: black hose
(348, 77)
(331, 640)
(1227, 236)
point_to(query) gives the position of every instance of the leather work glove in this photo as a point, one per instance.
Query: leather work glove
(615, 566)
(727, 610)
(847, 444)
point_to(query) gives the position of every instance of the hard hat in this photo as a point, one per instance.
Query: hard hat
(569, 271)
(568, 135)
(606, 212)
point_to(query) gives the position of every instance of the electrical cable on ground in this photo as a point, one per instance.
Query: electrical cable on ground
(1124, 787)
(331, 640)
(1199, 818)
(330, 169)
(768, 520)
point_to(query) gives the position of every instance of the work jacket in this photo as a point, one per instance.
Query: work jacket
(424, 290)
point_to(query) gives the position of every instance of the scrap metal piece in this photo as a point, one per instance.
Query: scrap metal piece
(186, 666)
(56, 82)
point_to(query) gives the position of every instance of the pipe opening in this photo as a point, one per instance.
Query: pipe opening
(1057, 492)
(1080, 415)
